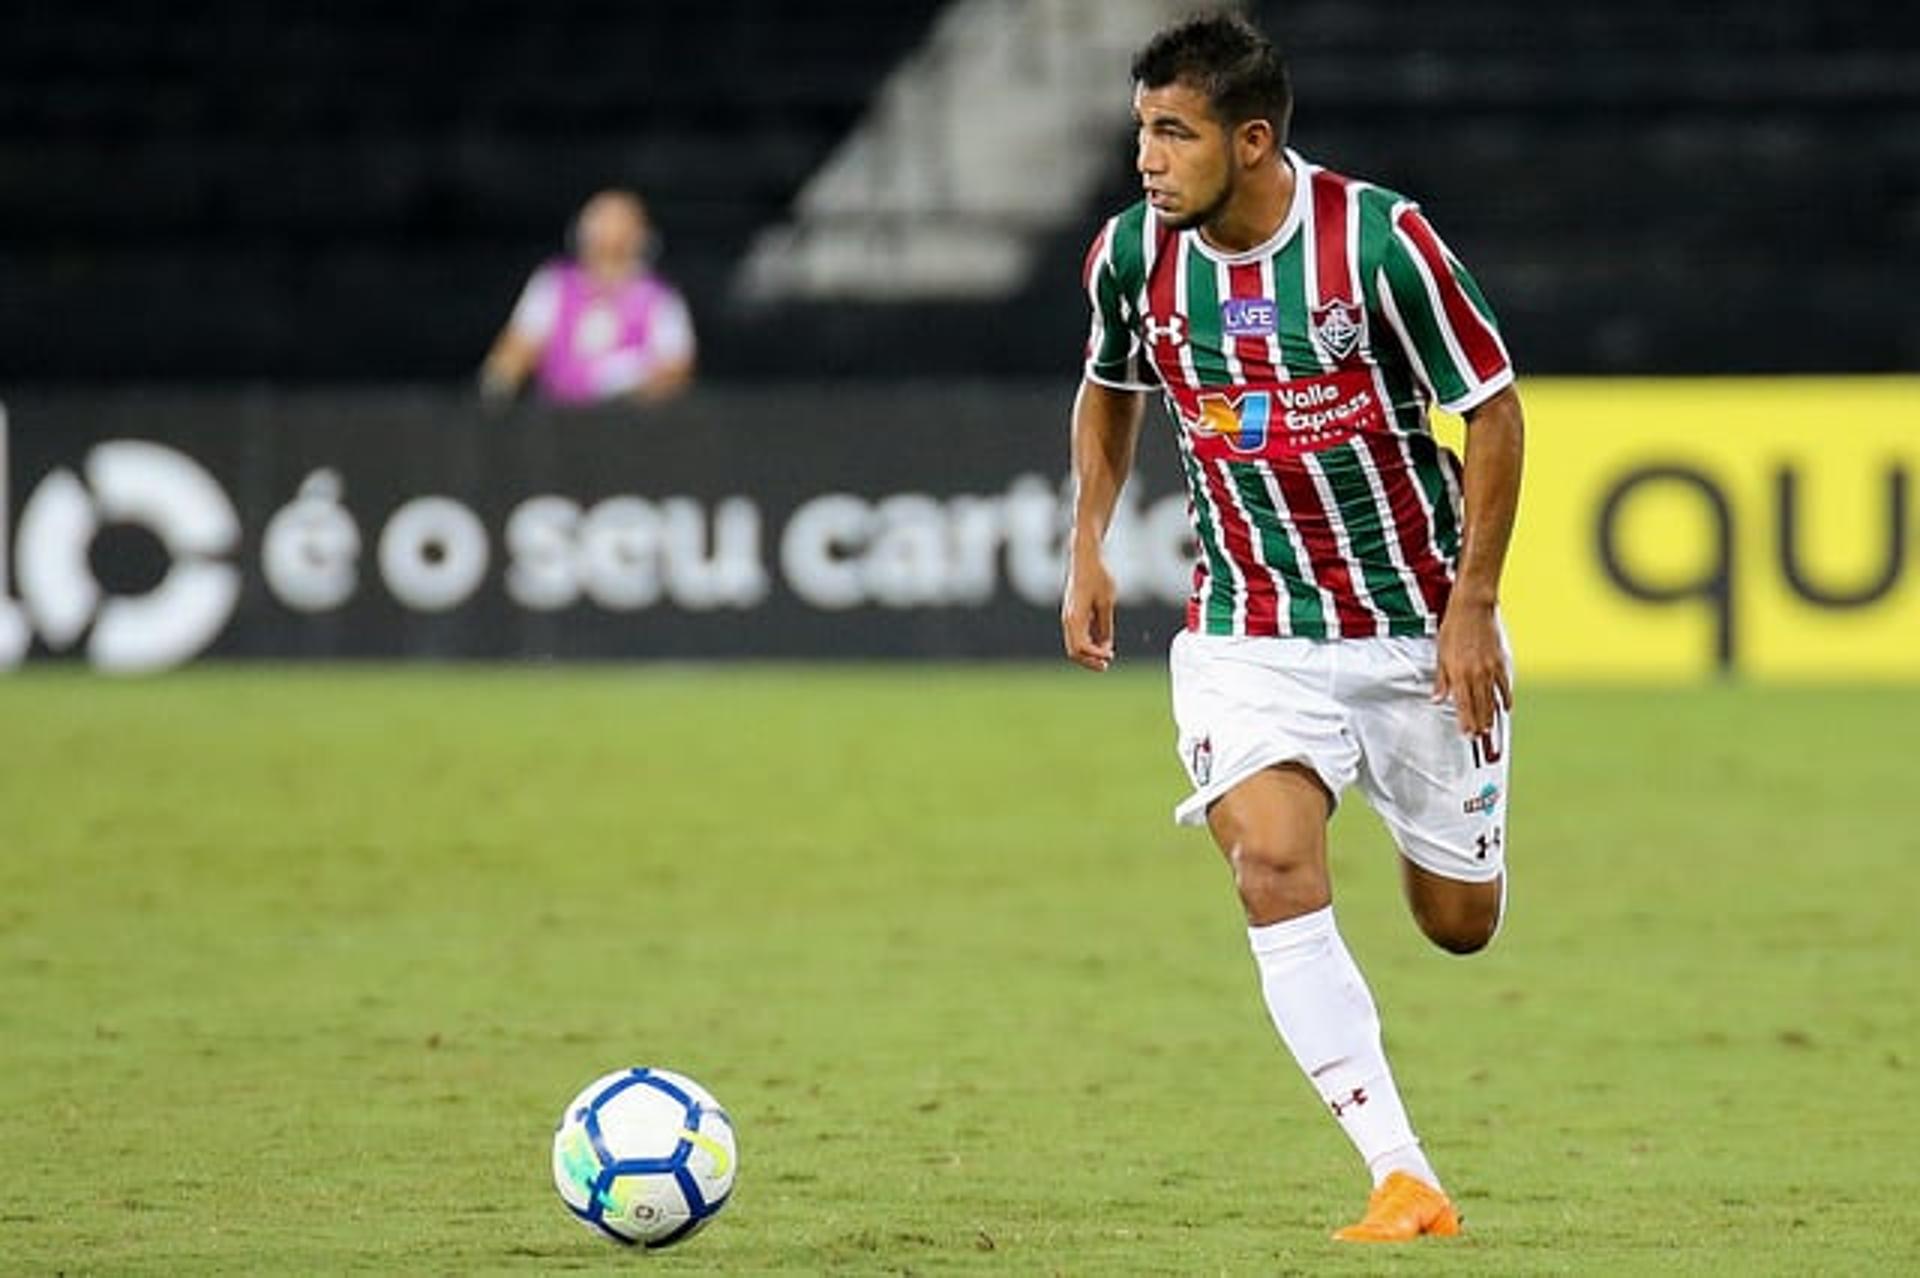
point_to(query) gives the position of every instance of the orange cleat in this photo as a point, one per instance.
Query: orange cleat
(1402, 1209)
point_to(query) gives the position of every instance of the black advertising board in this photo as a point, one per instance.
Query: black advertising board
(142, 530)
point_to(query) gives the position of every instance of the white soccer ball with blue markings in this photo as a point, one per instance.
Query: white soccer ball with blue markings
(644, 1156)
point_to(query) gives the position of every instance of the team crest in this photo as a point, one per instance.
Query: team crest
(1337, 327)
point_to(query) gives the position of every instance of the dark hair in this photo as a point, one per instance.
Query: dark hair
(1229, 60)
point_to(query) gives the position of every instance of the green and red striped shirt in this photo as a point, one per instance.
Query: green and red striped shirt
(1299, 376)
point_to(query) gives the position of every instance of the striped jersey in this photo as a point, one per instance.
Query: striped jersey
(1299, 375)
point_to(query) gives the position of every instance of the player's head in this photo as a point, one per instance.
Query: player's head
(1212, 100)
(610, 235)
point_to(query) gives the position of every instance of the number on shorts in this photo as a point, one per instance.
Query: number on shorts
(1486, 746)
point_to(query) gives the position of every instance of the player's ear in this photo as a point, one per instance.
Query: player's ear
(1253, 141)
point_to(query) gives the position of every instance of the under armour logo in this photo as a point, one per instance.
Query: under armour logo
(1172, 332)
(1358, 1096)
(1486, 843)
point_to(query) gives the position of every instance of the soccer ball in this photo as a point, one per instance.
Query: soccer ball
(644, 1156)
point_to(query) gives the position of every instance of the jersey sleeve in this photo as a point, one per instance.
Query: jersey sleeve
(1115, 356)
(1442, 320)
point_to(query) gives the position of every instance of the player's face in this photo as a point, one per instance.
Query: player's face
(1185, 155)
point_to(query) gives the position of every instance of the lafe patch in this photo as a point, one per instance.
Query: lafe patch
(1249, 317)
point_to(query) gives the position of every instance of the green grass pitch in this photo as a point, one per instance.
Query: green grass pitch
(298, 966)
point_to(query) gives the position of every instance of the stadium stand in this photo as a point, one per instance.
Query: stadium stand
(353, 191)
(1646, 185)
(356, 190)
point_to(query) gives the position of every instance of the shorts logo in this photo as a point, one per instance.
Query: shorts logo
(1248, 316)
(1486, 801)
(1337, 328)
(1200, 761)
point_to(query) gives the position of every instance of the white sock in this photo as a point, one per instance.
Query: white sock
(1325, 1014)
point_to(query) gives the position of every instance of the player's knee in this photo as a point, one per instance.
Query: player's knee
(1275, 881)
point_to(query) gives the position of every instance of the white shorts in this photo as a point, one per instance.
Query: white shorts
(1351, 710)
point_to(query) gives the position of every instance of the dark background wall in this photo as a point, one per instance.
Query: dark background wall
(353, 191)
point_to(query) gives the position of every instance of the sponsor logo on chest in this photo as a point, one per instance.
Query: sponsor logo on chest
(1284, 419)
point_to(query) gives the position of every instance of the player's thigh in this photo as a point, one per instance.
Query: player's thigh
(1277, 816)
(1272, 828)
(1242, 707)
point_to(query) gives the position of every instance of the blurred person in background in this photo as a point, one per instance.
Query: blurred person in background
(600, 325)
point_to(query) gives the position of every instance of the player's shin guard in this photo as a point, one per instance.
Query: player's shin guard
(1325, 1014)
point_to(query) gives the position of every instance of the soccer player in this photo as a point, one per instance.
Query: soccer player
(1343, 626)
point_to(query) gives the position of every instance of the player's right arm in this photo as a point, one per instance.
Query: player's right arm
(1106, 426)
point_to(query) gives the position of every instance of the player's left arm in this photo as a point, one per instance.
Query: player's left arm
(1472, 668)
(1450, 337)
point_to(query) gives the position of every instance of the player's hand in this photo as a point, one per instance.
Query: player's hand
(1472, 667)
(1086, 613)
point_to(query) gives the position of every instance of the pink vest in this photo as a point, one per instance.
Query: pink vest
(595, 325)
